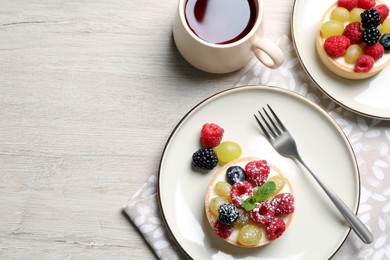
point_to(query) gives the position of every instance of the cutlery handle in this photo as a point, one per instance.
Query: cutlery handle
(355, 223)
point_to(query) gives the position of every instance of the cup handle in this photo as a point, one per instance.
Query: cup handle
(268, 53)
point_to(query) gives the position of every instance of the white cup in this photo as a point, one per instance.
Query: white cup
(224, 58)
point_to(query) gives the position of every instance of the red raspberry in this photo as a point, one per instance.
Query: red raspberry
(383, 10)
(257, 172)
(262, 213)
(353, 32)
(211, 135)
(336, 46)
(275, 228)
(364, 63)
(366, 4)
(349, 4)
(223, 231)
(240, 191)
(283, 203)
(376, 51)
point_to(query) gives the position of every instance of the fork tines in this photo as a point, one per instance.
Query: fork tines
(277, 126)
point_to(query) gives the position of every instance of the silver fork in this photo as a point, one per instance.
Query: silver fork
(280, 138)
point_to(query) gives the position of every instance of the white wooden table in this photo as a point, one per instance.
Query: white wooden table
(89, 93)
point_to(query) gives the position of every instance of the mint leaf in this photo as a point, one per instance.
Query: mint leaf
(249, 203)
(265, 191)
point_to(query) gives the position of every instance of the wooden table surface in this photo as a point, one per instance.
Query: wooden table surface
(89, 93)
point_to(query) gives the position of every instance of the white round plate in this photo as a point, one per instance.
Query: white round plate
(181, 188)
(369, 97)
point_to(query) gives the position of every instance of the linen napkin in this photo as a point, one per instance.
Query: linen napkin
(369, 139)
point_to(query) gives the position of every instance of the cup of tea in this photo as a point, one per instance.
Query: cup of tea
(221, 36)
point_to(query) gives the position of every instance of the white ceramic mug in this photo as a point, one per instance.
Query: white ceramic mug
(224, 58)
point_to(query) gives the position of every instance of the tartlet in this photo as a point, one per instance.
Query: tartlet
(338, 65)
(211, 193)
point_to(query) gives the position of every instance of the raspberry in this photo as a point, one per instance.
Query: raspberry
(205, 159)
(228, 214)
(275, 228)
(336, 46)
(370, 18)
(240, 191)
(376, 51)
(211, 135)
(262, 213)
(283, 203)
(353, 33)
(223, 231)
(383, 10)
(348, 4)
(366, 4)
(364, 63)
(257, 172)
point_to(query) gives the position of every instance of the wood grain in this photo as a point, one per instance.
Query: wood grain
(89, 93)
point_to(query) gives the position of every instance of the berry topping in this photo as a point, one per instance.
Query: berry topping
(376, 51)
(275, 228)
(336, 46)
(257, 172)
(364, 63)
(385, 41)
(283, 203)
(205, 159)
(371, 36)
(235, 174)
(228, 214)
(353, 33)
(262, 213)
(211, 135)
(349, 4)
(383, 10)
(240, 192)
(366, 4)
(370, 18)
(223, 231)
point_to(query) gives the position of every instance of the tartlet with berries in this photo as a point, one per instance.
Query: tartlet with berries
(353, 39)
(249, 202)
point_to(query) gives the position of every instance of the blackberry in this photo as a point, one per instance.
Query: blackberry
(205, 158)
(370, 18)
(228, 214)
(371, 36)
(235, 174)
(385, 41)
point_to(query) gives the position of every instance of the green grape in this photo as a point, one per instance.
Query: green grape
(386, 26)
(249, 235)
(243, 218)
(354, 15)
(215, 204)
(222, 189)
(353, 53)
(228, 151)
(331, 28)
(279, 181)
(340, 14)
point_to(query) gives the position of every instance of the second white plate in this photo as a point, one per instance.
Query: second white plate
(369, 97)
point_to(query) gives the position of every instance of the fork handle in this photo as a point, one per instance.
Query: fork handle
(355, 223)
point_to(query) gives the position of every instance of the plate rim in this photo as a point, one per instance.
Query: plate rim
(241, 88)
(334, 99)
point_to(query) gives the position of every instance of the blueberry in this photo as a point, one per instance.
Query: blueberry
(235, 174)
(385, 41)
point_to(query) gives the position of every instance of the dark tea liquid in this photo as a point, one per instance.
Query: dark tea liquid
(221, 21)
